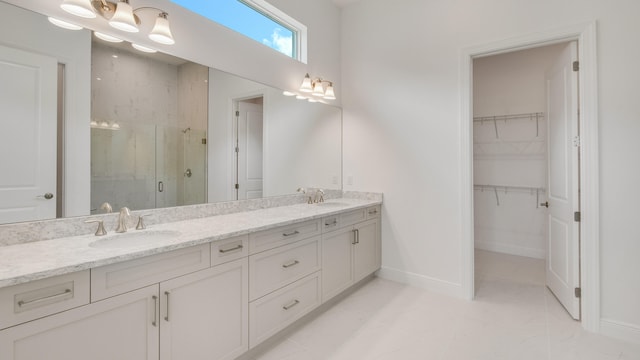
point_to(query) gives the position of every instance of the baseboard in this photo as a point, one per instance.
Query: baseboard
(510, 249)
(421, 281)
(620, 330)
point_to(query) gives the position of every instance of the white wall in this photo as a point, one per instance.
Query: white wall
(401, 111)
(507, 84)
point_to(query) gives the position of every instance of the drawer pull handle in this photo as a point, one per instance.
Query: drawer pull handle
(373, 212)
(166, 318)
(292, 304)
(335, 222)
(294, 263)
(230, 250)
(291, 233)
(155, 311)
(22, 303)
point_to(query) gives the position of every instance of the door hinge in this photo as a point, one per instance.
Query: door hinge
(577, 292)
(576, 66)
(237, 149)
(577, 216)
(237, 186)
(237, 113)
(204, 141)
(576, 141)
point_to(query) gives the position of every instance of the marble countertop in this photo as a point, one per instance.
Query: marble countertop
(42, 259)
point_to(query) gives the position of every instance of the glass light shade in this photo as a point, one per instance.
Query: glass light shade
(105, 37)
(80, 8)
(306, 84)
(328, 93)
(64, 24)
(115, 126)
(104, 124)
(161, 33)
(143, 48)
(93, 122)
(123, 18)
(317, 89)
(288, 93)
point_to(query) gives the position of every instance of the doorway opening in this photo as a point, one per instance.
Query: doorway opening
(585, 35)
(248, 155)
(526, 170)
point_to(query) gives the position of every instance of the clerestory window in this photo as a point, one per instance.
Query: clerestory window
(256, 19)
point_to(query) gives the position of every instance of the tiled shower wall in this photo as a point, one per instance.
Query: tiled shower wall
(142, 95)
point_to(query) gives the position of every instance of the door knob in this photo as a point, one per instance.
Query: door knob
(47, 196)
(545, 204)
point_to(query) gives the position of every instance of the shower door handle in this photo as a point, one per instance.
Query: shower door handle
(160, 186)
(545, 204)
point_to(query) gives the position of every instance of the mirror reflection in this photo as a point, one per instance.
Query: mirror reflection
(148, 129)
(160, 131)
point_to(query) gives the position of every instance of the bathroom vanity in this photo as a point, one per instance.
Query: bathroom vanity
(206, 288)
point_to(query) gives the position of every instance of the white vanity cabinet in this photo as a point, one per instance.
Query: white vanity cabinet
(211, 301)
(120, 327)
(351, 252)
(204, 315)
(199, 315)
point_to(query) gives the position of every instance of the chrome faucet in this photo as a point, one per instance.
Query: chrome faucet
(319, 199)
(122, 220)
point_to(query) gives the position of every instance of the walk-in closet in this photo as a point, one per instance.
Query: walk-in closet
(513, 158)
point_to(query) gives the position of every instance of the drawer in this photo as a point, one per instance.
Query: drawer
(229, 249)
(40, 298)
(275, 268)
(110, 280)
(274, 312)
(373, 212)
(331, 223)
(269, 239)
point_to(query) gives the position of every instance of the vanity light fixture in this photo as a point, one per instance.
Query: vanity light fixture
(82, 8)
(122, 16)
(64, 24)
(317, 87)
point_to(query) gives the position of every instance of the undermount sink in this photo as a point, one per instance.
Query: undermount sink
(134, 239)
(331, 204)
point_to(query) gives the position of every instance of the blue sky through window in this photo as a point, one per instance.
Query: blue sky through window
(245, 20)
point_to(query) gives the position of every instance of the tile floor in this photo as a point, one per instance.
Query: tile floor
(514, 317)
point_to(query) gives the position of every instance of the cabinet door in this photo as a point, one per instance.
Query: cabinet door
(121, 327)
(204, 315)
(365, 251)
(336, 262)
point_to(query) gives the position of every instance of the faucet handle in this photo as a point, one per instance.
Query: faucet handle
(141, 225)
(100, 231)
(106, 207)
(302, 190)
(321, 192)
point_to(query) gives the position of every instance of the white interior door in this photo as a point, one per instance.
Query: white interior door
(562, 267)
(28, 99)
(249, 151)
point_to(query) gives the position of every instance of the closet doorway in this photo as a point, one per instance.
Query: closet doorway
(526, 163)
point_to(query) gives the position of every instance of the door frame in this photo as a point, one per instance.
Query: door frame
(585, 35)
